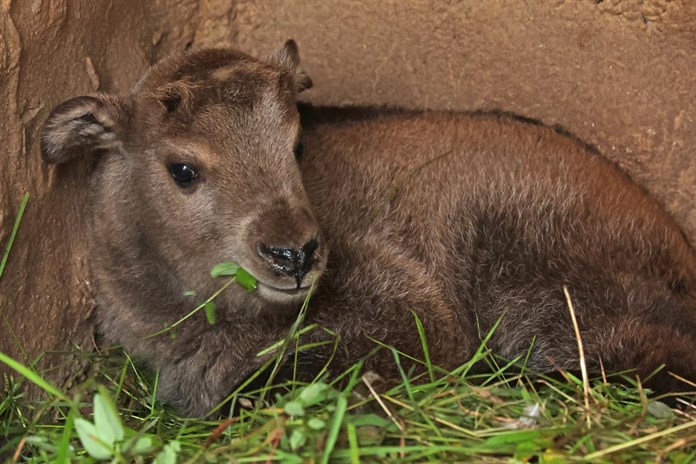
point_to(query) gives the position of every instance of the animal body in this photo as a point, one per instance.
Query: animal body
(461, 219)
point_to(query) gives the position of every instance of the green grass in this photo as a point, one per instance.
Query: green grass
(456, 416)
(503, 416)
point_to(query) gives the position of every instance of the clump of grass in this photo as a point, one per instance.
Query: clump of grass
(451, 416)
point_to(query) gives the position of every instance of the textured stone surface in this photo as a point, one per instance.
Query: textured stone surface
(618, 73)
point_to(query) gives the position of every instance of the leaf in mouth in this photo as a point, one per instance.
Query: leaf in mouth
(225, 269)
(241, 275)
(246, 280)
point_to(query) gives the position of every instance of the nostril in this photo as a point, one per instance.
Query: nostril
(292, 262)
(309, 248)
(285, 257)
(264, 251)
(261, 250)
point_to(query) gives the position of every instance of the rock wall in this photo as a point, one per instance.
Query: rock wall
(618, 73)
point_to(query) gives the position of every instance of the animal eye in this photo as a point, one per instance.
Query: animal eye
(299, 149)
(183, 174)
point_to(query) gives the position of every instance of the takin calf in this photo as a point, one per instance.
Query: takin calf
(466, 220)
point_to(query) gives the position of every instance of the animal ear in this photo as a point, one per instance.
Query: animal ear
(82, 125)
(288, 57)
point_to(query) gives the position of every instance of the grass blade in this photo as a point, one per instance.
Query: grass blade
(353, 442)
(13, 234)
(341, 405)
(33, 377)
(424, 345)
(64, 445)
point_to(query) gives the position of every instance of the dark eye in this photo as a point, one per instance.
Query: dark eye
(299, 149)
(183, 174)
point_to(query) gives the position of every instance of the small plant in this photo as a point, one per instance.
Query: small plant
(314, 417)
(227, 269)
(106, 438)
(304, 420)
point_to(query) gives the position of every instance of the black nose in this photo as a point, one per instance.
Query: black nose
(294, 262)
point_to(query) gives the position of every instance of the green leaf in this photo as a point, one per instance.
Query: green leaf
(189, 293)
(660, 410)
(298, 438)
(42, 443)
(224, 269)
(87, 434)
(140, 445)
(242, 276)
(209, 309)
(313, 394)
(371, 419)
(169, 453)
(506, 442)
(316, 424)
(527, 449)
(246, 280)
(294, 408)
(106, 420)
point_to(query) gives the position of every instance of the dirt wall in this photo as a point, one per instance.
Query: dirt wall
(618, 73)
(50, 51)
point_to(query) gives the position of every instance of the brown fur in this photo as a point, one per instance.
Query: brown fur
(461, 218)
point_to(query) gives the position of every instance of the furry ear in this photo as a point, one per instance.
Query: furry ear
(288, 57)
(82, 125)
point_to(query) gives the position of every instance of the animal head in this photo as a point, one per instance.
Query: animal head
(196, 167)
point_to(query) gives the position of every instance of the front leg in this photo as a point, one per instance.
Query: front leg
(205, 363)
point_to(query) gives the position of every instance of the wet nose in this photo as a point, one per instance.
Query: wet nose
(293, 262)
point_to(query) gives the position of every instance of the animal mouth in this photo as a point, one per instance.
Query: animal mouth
(283, 291)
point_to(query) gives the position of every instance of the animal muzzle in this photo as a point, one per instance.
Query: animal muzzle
(285, 249)
(292, 262)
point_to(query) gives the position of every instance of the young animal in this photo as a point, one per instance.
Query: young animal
(462, 219)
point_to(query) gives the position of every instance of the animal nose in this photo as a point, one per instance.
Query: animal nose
(293, 262)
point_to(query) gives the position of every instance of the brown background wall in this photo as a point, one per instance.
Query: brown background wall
(618, 73)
